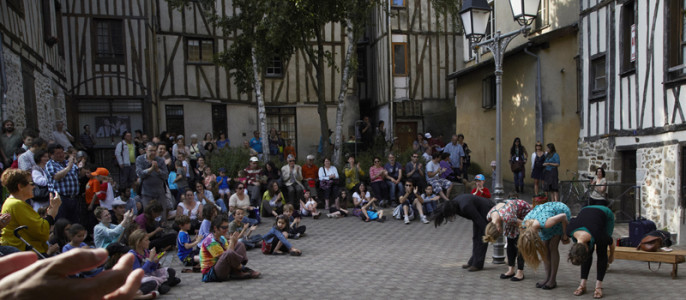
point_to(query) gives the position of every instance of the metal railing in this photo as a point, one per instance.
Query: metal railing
(622, 198)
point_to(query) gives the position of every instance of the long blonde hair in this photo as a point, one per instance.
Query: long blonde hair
(492, 233)
(530, 245)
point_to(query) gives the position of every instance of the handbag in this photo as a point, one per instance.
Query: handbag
(41, 193)
(517, 166)
(650, 244)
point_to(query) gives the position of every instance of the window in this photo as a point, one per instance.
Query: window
(17, 6)
(490, 27)
(361, 64)
(174, 115)
(676, 39)
(283, 120)
(108, 119)
(598, 84)
(275, 68)
(628, 38)
(468, 51)
(408, 109)
(543, 17)
(200, 50)
(219, 120)
(398, 3)
(109, 41)
(488, 92)
(399, 59)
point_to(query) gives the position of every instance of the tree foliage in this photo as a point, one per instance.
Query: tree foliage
(452, 9)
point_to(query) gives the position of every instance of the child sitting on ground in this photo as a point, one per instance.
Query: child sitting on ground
(77, 233)
(208, 214)
(275, 241)
(430, 200)
(310, 207)
(337, 211)
(187, 251)
(244, 229)
(294, 229)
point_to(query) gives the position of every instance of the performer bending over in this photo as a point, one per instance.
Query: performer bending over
(473, 208)
(544, 227)
(591, 228)
(507, 217)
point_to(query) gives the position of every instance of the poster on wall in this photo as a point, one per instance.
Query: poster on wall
(111, 126)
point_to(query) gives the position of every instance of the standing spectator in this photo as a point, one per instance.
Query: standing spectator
(414, 170)
(289, 149)
(274, 144)
(428, 150)
(598, 189)
(180, 147)
(517, 162)
(125, 152)
(26, 160)
(256, 143)
(328, 181)
(10, 141)
(163, 153)
(537, 159)
(456, 155)
(254, 174)
(550, 175)
(310, 175)
(87, 140)
(40, 177)
(394, 174)
(291, 176)
(64, 179)
(223, 141)
(207, 139)
(380, 139)
(418, 144)
(467, 159)
(246, 147)
(366, 133)
(325, 145)
(62, 136)
(153, 174)
(139, 142)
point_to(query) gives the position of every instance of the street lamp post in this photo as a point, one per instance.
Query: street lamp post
(475, 15)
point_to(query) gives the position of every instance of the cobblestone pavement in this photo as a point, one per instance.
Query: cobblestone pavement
(349, 259)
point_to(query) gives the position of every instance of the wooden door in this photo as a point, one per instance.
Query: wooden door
(406, 133)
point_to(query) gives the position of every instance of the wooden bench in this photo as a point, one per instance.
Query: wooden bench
(673, 257)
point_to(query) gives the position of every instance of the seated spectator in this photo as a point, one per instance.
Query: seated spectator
(244, 230)
(441, 186)
(77, 234)
(186, 248)
(209, 177)
(207, 198)
(221, 259)
(156, 277)
(412, 200)
(128, 200)
(253, 174)
(60, 233)
(328, 181)
(310, 175)
(414, 170)
(223, 185)
(276, 241)
(377, 174)
(480, 190)
(272, 172)
(445, 163)
(241, 200)
(295, 230)
(5, 250)
(393, 178)
(190, 208)
(272, 201)
(291, 176)
(430, 199)
(309, 208)
(352, 171)
(147, 221)
(20, 186)
(118, 210)
(208, 214)
(105, 232)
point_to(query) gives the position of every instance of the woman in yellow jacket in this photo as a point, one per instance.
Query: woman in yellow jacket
(20, 185)
(352, 174)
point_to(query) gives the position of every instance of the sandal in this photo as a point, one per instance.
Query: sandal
(296, 253)
(580, 291)
(598, 293)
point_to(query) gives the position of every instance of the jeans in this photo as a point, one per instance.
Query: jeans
(392, 187)
(245, 220)
(429, 206)
(519, 178)
(380, 190)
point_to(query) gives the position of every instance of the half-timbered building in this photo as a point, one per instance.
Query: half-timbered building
(632, 58)
(32, 64)
(539, 82)
(408, 51)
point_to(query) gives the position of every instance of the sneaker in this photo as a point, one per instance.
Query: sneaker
(297, 236)
(407, 220)
(424, 220)
(381, 220)
(163, 288)
(329, 216)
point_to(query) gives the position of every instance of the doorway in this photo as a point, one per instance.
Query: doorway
(407, 133)
(628, 179)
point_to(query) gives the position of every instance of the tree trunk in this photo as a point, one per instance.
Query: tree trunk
(338, 149)
(321, 95)
(261, 113)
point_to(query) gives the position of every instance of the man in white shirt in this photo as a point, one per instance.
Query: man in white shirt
(62, 136)
(25, 160)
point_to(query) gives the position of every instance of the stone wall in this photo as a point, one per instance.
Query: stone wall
(44, 104)
(600, 153)
(657, 174)
(13, 107)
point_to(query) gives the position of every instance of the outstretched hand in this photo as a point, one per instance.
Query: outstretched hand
(23, 277)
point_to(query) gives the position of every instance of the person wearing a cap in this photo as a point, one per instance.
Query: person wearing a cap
(254, 173)
(479, 189)
(96, 190)
(291, 176)
(310, 174)
(456, 155)
(125, 152)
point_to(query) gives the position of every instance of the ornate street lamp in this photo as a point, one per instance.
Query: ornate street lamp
(473, 16)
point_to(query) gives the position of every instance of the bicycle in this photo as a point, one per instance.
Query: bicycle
(575, 192)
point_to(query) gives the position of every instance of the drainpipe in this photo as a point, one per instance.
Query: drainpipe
(391, 125)
(539, 100)
(3, 87)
